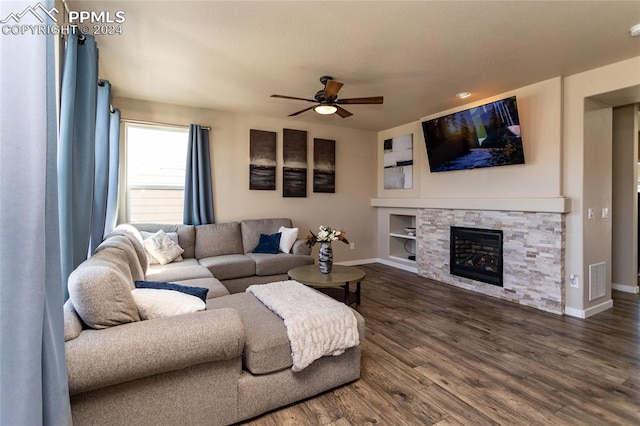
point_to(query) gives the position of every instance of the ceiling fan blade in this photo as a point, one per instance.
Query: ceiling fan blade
(293, 97)
(332, 88)
(352, 101)
(301, 111)
(343, 112)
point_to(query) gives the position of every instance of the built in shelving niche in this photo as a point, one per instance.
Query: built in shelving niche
(402, 237)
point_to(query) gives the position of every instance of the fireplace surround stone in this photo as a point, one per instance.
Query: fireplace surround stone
(533, 253)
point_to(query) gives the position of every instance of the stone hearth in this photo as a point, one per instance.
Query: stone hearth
(533, 250)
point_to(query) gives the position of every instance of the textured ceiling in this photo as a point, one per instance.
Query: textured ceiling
(232, 56)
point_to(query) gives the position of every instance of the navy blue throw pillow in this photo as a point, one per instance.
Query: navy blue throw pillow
(268, 244)
(200, 292)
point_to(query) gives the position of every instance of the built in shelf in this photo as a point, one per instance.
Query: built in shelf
(405, 236)
(405, 258)
(401, 244)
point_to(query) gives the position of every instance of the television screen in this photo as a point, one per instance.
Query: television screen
(484, 136)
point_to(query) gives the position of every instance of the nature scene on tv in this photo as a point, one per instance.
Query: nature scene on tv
(485, 136)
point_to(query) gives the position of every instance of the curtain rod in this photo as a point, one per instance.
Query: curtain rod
(155, 123)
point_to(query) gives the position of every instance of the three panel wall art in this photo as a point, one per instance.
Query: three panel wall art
(262, 162)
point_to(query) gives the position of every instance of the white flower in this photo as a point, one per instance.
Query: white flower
(325, 234)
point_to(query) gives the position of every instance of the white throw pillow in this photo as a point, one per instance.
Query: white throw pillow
(154, 303)
(288, 236)
(173, 236)
(162, 248)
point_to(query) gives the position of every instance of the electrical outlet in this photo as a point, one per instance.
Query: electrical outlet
(352, 246)
(590, 214)
(605, 213)
(574, 281)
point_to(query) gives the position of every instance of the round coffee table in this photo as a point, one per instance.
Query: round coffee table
(339, 278)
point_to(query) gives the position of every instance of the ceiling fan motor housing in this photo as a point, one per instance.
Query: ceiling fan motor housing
(320, 96)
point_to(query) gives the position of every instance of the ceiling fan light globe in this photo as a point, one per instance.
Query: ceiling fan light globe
(325, 109)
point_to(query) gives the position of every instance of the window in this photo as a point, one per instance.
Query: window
(156, 158)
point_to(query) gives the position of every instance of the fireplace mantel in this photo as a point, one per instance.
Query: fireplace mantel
(514, 204)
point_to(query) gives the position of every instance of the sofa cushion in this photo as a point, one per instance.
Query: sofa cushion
(184, 270)
(136, 239)
(101, 294)
(120, 250)
(199, 292)
(186, 235)
(216, 288)
(266, 347)
(272, 264)
(72, 322)
(252, 228)
(229, 266)
(158, 303)
(218, 239)
(240, 285)
(301, 247)
(268, 244)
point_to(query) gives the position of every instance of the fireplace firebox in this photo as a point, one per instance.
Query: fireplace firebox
(476, 254)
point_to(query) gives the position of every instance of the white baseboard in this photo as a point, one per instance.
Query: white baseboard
(398, 265)
(357, 262)
(626, 288)
(379, 260)
(589, 312)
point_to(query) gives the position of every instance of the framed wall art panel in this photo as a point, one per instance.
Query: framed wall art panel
(294, 171)
(262, 160)
(324, 165)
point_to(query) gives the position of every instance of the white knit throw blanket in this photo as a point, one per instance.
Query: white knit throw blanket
(316, 324)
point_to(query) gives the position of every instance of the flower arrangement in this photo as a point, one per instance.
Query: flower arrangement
(324, 235)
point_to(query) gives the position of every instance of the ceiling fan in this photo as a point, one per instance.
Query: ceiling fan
(328, 102)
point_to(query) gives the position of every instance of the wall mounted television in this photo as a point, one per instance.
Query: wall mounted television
(484, 136)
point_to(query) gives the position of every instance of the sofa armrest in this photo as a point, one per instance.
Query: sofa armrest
(99, 358)
(300, 247)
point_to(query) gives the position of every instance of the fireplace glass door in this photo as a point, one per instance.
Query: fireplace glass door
(476, 254)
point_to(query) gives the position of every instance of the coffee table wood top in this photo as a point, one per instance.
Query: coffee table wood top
(338, 277)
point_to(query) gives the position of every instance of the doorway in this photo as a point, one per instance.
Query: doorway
(625, 207)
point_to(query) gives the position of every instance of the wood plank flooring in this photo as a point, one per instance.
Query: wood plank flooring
(438, 355)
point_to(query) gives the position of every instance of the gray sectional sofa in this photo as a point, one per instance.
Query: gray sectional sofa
(225, 250)
(218, 366)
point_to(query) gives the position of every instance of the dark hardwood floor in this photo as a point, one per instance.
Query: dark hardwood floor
(438, 355)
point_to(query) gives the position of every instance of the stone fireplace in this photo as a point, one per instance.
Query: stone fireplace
(533, 249)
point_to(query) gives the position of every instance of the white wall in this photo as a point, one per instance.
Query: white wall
(582, 173)
(540, 111)
(349, 208)
(624, 215)
(598, 182)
